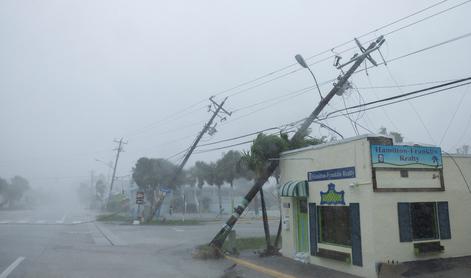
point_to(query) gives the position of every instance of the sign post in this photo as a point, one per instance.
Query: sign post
(139, 202)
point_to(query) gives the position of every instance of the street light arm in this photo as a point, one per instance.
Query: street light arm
(315, 80)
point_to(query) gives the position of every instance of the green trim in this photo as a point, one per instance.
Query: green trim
(295, 188)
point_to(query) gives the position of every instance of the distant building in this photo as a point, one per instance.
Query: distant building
(354, 204)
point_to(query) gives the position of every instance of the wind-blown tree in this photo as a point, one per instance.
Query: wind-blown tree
(198, 172)
(3, 191)
(151, 175)
(213, 177)
(218, 181)
(398, 138)
(15, 190)
(228, 166)
(266, 147)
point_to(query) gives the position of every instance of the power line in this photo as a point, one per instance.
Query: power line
(225, 147)
(404, 85)
(240, 85)
(361, 70)
(362, 106)
(329, 116)
(423, 49)
(452, 118)
(410, 104)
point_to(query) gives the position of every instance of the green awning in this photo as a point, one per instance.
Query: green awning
(295, 189)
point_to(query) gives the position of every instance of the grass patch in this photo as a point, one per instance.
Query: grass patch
(113, 217)
(174, 222)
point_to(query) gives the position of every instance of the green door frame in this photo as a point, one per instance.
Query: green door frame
(302, 226)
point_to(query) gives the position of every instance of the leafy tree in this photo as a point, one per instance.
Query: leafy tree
(151, 174)
(228, 165)
(3, 191)
(199, 172)
(229, 169)
(15, 190)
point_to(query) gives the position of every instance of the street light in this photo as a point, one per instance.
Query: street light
(303, 63)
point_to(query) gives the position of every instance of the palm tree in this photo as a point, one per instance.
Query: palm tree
(264, 148)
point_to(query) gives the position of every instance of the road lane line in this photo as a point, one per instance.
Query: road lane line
(259, 268)
(40, 222)
(12, 267)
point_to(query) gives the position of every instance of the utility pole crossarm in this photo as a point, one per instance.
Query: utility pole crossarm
(338, 87)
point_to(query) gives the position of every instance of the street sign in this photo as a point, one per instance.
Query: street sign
(165, 189)
(140, 197)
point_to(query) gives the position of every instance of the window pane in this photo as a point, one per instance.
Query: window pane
(423, 218)
(335, 225)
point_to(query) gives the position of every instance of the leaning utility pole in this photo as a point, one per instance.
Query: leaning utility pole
(207, 127)
(339, 87)
(118, 150)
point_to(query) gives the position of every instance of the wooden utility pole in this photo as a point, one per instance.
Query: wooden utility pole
(118, 150)
(206, 127)
(338, 88)
(218, 107)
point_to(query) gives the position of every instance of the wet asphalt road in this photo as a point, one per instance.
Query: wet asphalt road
(49, 242)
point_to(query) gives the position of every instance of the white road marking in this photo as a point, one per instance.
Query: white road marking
(63, 218)
(40, 222)
(12, 267)
(22, 221)
(5, 222)
(76, 222)
(178, 230)
(59, 222)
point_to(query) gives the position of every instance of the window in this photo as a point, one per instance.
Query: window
(334, 225)
(424, 221)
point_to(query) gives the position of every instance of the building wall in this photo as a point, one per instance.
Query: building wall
(378, 210)
(459, 205)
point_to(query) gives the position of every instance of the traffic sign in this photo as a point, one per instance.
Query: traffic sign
(165, 189)
(140, 197)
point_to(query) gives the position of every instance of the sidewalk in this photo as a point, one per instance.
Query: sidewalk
(291, 267)
(450, 267)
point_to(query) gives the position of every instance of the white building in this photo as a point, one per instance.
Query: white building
(354, 204)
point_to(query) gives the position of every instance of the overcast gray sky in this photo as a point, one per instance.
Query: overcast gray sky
(74, 75)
